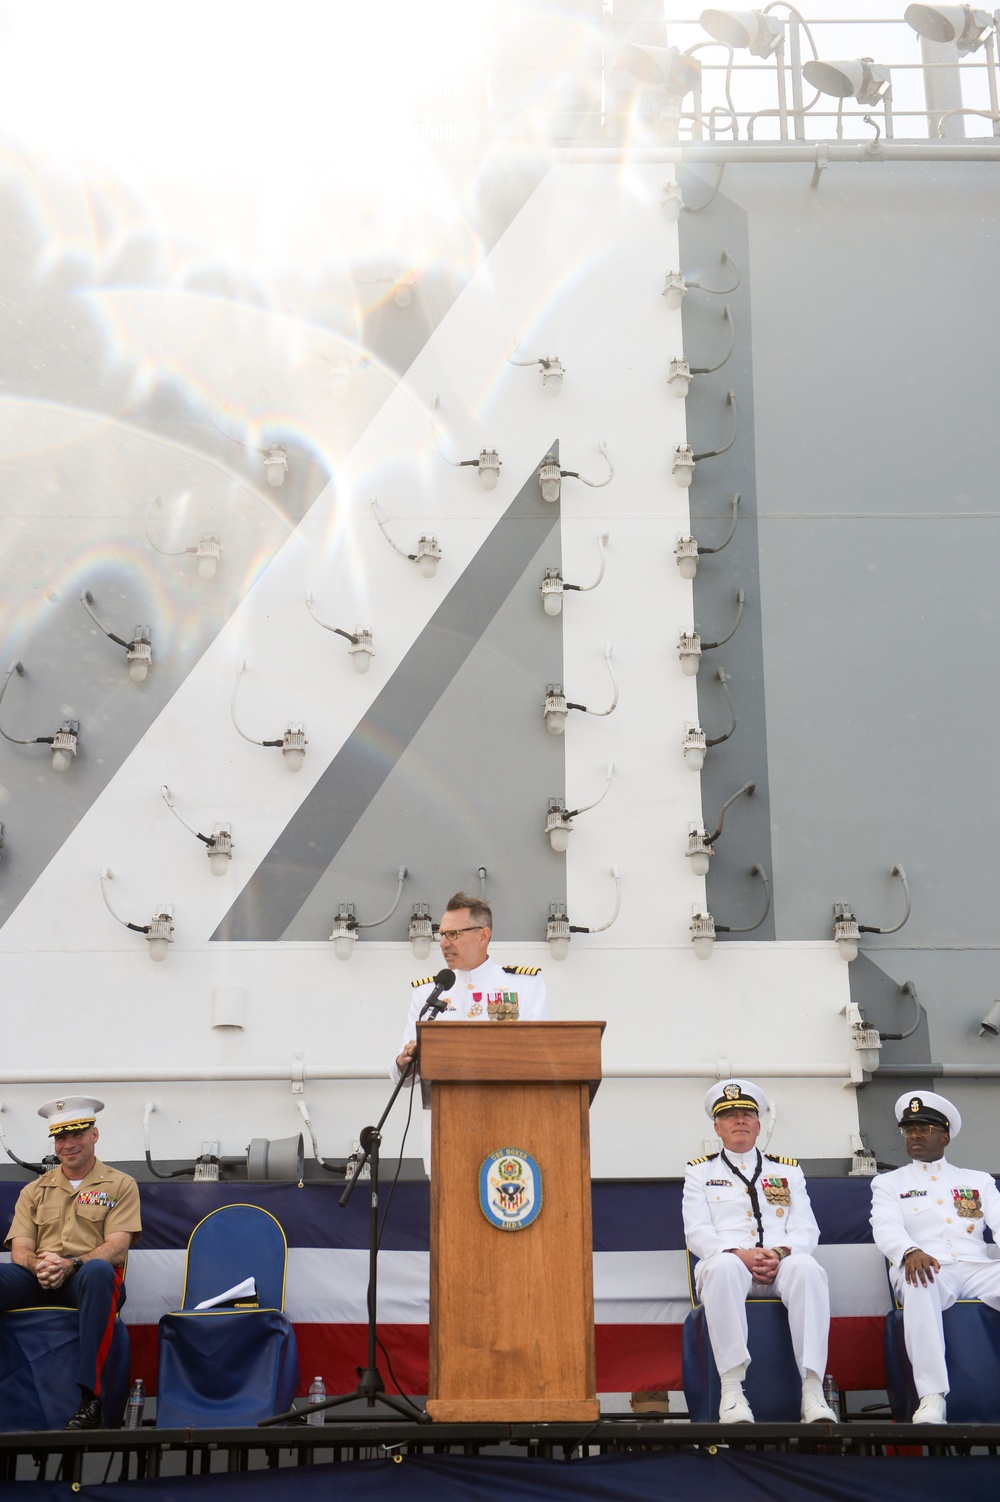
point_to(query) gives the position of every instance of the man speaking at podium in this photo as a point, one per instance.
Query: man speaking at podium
(481, 991)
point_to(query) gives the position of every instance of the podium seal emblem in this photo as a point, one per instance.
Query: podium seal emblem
(510, 1189)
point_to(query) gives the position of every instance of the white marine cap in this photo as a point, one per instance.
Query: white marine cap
(734, 1095)
(74, 1113)
(924, 1105)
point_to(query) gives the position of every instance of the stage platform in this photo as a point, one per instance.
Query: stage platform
(363, 1456)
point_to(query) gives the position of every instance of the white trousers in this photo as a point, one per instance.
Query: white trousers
(922, 1309)
(723, 1283)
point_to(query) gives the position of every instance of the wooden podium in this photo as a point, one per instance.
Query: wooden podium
(511, 1311)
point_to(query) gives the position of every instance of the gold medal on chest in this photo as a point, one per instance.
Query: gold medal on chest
(776, 1190)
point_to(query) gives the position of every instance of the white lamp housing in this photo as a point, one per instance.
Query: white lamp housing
(674, 289)
(209, 553)
(276, 464)
(679, 379)
(402, 288)
(672, 201)
(140, 654)
(682, 468)
(557, 933)
(695, 746)
(686, 553)
(960, 24)
(489, 468)
(702, 932)
(868, 1043)
(552, 591)
(553, 372)
(558, 826)
(421, 931)
(161, 932)
(859, 78)
(760, 34)
(428, 557)
(549, 481)
(699, 851)
(555, 709)
(845, 932)
(361, 651)
(345, 931)
(689, 652)
(220, 849)
(64, 745)
(293, 746)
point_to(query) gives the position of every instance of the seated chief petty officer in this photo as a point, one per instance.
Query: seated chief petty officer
(748, 1220)
(68, 1241)
(928, 1219)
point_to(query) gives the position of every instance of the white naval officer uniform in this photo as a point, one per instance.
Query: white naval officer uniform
(468, 1000)
(942, 1210)
(718, 1214)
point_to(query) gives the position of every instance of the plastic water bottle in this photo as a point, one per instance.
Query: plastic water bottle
(135, 1405)
(831, 1393)
(317, 1394)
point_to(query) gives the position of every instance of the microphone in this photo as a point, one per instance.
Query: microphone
(443, 981)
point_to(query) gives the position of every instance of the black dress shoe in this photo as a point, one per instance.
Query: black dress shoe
(88, 1415)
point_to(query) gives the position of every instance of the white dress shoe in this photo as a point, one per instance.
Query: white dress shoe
(734, 1408)
(816, 1410)
(932, 1410)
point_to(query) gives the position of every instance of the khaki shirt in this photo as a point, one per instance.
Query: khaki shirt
(59, 1218)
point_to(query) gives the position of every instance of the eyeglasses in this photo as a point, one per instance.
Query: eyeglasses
(453, 933)
(920, 1127)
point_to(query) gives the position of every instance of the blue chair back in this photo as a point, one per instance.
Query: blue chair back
(233, 1243)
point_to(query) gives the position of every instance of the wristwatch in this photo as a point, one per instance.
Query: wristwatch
(77, 1264)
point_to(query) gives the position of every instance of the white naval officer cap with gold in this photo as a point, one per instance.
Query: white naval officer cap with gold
(734, 1095)
(74, 1113)
(935, 1110)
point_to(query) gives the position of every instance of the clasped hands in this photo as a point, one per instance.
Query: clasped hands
(51, 1270)
(763, 1262)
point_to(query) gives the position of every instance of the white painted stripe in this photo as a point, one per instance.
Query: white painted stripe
(327, 1286)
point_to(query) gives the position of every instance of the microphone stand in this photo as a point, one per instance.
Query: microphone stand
(370, 1385)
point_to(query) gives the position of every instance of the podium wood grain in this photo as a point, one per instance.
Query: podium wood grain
(511, 1312)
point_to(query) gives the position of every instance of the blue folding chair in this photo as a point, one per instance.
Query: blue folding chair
(773, 1385)
(972, 1351)
(229, 1366)
(39, 1353)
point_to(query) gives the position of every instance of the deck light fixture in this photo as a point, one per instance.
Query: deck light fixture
(961, 24)
(63, 743)
(859, 79)
(360, 649)
(428, 554)
(346, 926)
(553, 585)
(159, 931)
(138, 651)
(292, 743)
(218, 845)
(760, 34)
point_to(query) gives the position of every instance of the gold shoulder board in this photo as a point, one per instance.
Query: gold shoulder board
(521, 970)
(789, 1162)
(693, 1162)
(428, 980)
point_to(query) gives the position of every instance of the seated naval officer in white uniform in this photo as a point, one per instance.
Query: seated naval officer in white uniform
(748, 1220)
(928, 1220)
(483, 990)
